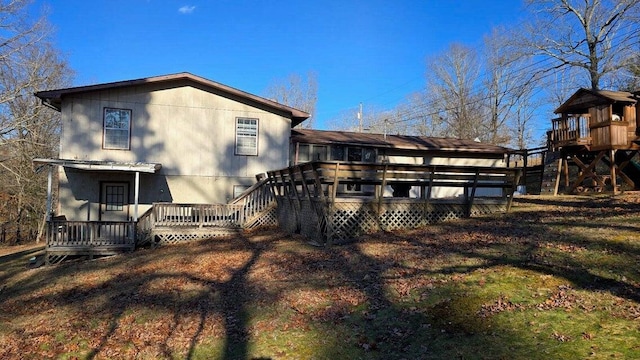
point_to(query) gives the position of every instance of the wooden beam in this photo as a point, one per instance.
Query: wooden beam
(557, 182)
(136, 196)
(382, 186)
(614, 180)
(49, 194)
(473, 194)
(587, 171)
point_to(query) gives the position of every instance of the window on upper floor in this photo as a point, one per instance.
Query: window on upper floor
(116, 129)
(246, 136)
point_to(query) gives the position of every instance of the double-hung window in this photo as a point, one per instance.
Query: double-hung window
(246, 136)
(116, 129)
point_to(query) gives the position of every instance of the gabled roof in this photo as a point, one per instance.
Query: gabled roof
(583, 99)
(405, 142)
(53, 98)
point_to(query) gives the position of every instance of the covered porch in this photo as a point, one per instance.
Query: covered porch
(114, 229)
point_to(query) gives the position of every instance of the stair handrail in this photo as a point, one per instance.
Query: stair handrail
(255, 199)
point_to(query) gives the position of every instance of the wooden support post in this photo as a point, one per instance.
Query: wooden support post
(473, 193)
(318, 184)
(427, 199)
(49, 194)
(382, 186)
(612, 161)
(136, 196)
(566, 172)
(334, 190)
(332, 201)
(524, 171)
(557, 182)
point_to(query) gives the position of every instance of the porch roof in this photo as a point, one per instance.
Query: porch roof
(98, 165)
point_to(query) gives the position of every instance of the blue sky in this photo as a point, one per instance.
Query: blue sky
(361, 51)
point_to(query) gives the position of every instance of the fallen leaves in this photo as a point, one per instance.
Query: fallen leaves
(162, 303)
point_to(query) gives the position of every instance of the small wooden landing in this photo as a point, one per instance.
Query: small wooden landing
(56, 254)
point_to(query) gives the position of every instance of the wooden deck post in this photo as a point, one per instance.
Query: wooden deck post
(136, 196)
(49, 195)
(382, 186)
(473, 193)
(612, 161)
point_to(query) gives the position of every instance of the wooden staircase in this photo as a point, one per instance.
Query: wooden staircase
(172, 223)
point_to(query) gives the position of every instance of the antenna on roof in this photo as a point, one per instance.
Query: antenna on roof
(360, 118)
(386, 121)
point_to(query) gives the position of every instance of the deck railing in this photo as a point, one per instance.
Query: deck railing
(63, 233)
(322, 179)
(200, 215)
(255, 199)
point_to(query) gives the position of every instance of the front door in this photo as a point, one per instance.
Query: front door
(114, 201)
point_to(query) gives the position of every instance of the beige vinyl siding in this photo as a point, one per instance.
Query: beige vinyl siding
(188, 130)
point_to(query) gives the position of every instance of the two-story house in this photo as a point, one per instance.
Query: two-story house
(176, 138)
(159, 159)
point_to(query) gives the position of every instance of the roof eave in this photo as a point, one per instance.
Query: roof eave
(54, 97)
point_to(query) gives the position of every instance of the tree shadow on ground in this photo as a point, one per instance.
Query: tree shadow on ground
(207, 299)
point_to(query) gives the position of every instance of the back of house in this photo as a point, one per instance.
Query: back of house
(176, 138)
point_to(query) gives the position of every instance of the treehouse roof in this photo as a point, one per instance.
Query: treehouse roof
(583, 99)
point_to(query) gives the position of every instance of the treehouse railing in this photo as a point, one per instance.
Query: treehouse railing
(571, 130)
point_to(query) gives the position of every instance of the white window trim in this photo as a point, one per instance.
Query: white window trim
(105, 129)
(244, 134)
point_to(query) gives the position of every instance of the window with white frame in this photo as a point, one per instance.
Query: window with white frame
(246, 136)
(116, 129)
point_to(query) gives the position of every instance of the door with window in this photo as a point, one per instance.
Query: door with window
(114, 201)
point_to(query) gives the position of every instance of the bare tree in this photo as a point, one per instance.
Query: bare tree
(592, 35)
(28, 63)
(297, 92)
(629, 78)
(452, 88)
(374, 120)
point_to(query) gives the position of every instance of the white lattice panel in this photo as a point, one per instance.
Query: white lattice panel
(176, 235)
(350, 219)
(267, 218)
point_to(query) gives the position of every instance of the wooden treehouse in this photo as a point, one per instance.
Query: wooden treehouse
(593, 143)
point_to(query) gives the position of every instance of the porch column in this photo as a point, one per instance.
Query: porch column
(49, 196)
(136, 195)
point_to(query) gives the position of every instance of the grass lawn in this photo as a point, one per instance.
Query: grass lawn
(556, 278)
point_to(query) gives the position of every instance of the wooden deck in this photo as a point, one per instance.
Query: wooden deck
(88, 238)
(313, 197)
(163, 223)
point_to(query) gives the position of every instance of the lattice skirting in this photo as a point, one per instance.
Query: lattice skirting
(178, 235)
(350, 218)
(267, 218)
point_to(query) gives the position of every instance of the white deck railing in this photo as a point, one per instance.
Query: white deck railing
(63, 233)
